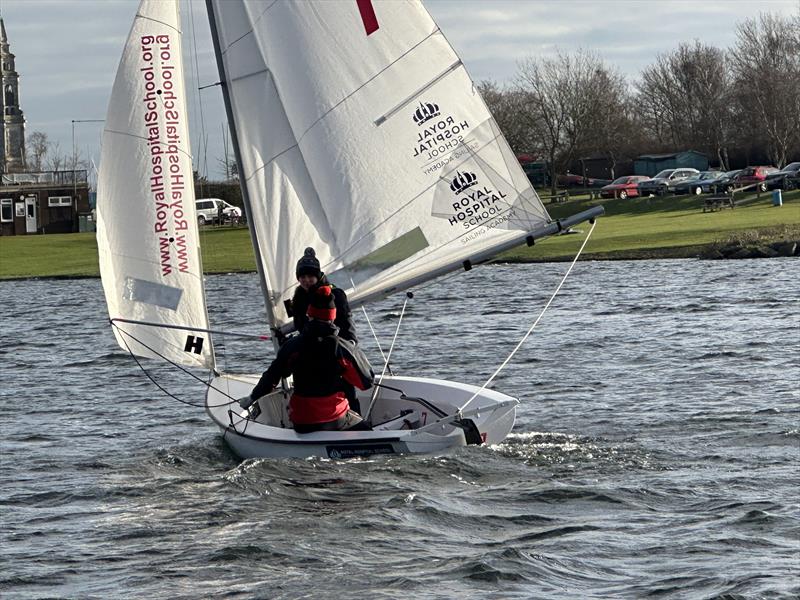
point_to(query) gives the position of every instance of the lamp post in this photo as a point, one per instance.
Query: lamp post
(75, 156)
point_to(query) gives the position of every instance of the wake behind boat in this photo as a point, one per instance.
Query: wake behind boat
(357, 131)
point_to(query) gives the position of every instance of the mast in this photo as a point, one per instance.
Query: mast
(262, 275)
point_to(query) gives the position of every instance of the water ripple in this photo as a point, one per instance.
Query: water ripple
(655, 453)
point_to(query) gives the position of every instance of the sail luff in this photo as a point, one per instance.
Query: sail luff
(262, 274)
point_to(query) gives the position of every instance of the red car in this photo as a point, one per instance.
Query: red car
(753, 175)
(623, 187)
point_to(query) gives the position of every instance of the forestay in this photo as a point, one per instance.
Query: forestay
(361, 134)
(147, 232)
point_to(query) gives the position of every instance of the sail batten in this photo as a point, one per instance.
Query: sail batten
(411, 97)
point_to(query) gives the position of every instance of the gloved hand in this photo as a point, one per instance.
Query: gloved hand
(245, 402)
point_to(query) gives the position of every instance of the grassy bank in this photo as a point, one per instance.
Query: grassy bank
(664, 227)
(225, 250)
(638, 228)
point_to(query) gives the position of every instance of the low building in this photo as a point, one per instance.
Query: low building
(650, 164)
(47, 202)
(602, 166)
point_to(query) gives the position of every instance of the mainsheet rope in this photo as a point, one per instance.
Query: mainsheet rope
(535, 323)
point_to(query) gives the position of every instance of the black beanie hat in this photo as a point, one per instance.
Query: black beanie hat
(308, 265)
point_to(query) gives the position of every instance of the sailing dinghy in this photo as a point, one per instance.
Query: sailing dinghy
(358, 132)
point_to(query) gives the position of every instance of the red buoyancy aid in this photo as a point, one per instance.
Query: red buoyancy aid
(309, 410)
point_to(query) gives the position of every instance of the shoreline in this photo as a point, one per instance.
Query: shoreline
(670, 253)
(645, 229)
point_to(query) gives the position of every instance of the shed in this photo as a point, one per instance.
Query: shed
(43, 202)
(650, 164)
(602, 166)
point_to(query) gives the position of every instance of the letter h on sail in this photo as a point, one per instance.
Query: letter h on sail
(194, 344)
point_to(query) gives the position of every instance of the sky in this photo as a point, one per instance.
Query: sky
(67, 51)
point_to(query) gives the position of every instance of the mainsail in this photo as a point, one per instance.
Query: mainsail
(361, 134)
(146, 225)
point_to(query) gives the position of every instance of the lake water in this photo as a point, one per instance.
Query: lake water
(656, 451)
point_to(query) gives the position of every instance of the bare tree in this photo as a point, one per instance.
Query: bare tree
(559, 97)
(614, 132)
(228, 163)
(36, 150)
(766, 68)
(685, 99)
(230, 168)
(56, 160)
(505, 105)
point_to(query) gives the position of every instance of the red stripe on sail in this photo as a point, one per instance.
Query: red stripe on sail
(368, 15)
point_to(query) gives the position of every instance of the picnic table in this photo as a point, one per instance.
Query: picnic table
(717, 203)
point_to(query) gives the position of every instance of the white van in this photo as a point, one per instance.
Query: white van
(208, 211)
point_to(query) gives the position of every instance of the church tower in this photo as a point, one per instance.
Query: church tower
(13, 123)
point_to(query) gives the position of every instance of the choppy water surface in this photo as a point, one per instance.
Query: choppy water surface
(656, 450)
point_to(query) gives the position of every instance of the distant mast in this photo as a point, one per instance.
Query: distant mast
(13, 122)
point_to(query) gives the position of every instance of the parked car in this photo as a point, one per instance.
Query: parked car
(665, 181)
(623, 187)
(702, 183)
(785, 179)
(725, 183)
(214, 210)
(572, 180)
(756, 176)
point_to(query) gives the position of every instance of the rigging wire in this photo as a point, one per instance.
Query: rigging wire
(199, 95)
(202, 163)
(372, 329)
(375, 335)
(388, 356)
(195, 77)
(535, 323)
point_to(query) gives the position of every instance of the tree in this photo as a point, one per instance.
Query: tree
(56, 161)
(36, 150)
(685, 99)
(559, 99)
(504, 104)
(230, 168)
(766, 67)
(614, 132)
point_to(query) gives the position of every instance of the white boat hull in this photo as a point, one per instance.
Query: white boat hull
(403, 402)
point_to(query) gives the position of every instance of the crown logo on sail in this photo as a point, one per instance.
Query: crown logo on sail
(462, 181)
(425, 112)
